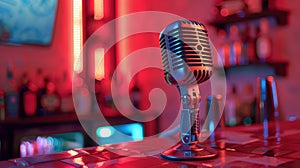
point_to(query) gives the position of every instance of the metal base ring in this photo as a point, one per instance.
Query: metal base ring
(193, 151)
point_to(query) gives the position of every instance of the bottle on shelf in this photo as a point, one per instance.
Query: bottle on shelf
(39, 78)
(50, 99)
(265, 4)
(2, 105)
(11, 95)
(224, 50)
(28, 97)
(65, 92)
(217, 8)
(249, 44)
(263, 42)
(235, 46)
(254, 6)
(136, 95)
(41, 90)
(268, 4)
(245, 43)
(225, 8)
(248, 105)
(231, 108)
(82, 97)
(136, 98)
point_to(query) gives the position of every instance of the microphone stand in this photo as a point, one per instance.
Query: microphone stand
(189, 148)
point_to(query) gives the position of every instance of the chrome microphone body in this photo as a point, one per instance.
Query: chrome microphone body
(187, 62)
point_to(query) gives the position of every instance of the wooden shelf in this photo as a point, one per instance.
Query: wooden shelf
(61, 118)
(280, 67)
(281, 17)
(54, 118)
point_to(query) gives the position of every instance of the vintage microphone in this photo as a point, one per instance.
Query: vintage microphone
(187, 62)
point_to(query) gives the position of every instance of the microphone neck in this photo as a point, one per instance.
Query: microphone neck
(189, 124)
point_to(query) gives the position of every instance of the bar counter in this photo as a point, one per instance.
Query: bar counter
(241, 146)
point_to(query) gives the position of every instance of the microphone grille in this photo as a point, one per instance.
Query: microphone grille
(185, 43)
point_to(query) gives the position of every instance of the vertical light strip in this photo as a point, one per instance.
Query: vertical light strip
(99, 63)
(77, 35)
(98, 9)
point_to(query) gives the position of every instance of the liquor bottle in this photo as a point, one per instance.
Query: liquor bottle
(231, 107)
(235, 46)
(214, 112)
(245, 44)
(82, 97)
(50, 100)
(265, 4)
(247, 105)
(2, 105)
(28, 97)
(250, 44)
(263, 42)
(224, 50)
(254, 6)
(65, 92)
(268, 4)
(12, 95)
(39, 78)
(41, 90)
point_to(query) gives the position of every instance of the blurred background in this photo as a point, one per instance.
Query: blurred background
(40, 45)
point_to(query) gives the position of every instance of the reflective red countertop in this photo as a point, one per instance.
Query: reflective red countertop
(242, 146)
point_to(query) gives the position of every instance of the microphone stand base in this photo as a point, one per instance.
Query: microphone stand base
(193, 151)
